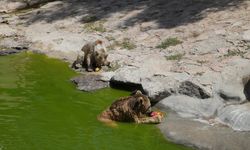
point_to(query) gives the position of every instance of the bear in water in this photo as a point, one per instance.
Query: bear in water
(135, 108)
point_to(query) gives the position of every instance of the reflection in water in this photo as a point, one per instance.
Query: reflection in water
(41, 109)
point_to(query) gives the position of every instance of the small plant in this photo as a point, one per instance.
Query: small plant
(202, 61)
(113, 45)
(169, 42)
(195, 34)
(110, 38)
(127, 44)
(114, 66)
(175, 57)
(2, 48)
(234, 53)
(88, 19)
(95, 26)
(199, 73)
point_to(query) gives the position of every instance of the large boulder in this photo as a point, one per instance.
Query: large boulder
(89, 82)
(158, 87)
(203, 136)
(190, 107)
(236, 116)
(234, 78)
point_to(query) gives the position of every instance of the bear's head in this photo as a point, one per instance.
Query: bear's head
(100, 54)
(141, 103)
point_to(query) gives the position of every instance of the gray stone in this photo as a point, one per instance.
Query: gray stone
(190, 107)
(106, 76)
(203, 136)
(193, 90)
(158, 87)
(229, 93)
(128, 74)
(89, 82)
(12, 6)
(231, 86)
(236, 116)
(9, 51)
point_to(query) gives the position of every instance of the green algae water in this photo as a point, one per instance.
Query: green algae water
(40, 109)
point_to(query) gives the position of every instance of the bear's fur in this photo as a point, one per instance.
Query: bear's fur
(135, 108)
(95, 56)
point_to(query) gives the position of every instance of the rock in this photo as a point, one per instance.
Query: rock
(193, 90)
(128, 75)
(8, 52)
(144, 68)
(246, 36)
(12, 6)
(236, 116)
(106, 76)
(210, 45)
(228, 93)
(89, 82)
(6, 31)
(34, 2)
(158, 87)
(246, 82)
(190, 107)
(203, 136)
(231, 86)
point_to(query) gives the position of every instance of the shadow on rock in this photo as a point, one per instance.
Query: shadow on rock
(167, 13)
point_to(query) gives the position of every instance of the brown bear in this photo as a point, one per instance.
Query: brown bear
(135, 108)
(95, 56)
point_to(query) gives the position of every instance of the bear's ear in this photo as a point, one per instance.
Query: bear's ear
(136, 92)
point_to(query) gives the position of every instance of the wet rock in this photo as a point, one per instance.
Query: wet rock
(193, 90)
(158, 87)
(236, 116)
(10, 51)
(203, 136)
(190, 107)
(89, 82)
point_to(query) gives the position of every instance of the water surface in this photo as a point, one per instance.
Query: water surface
(41, 110)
